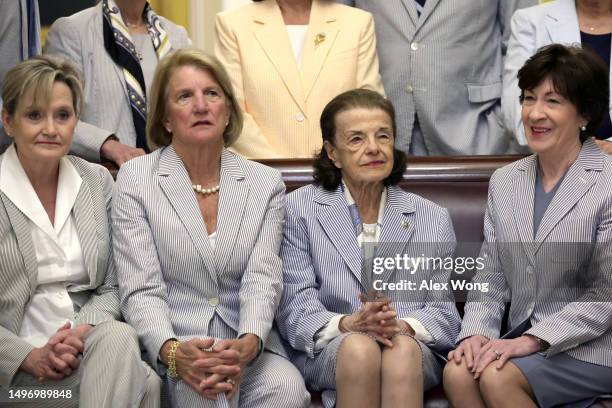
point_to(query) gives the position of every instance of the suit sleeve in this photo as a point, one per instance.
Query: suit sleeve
(143, 294)
(589, 316)
(63, 40)
(484, 310)
(228, 52)
(521, 46)
(368, 75)
(439, 315)
(262, 282)
(103, 305)
(301, 314)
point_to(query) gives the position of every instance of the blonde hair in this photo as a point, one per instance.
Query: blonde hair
(157, 135)
(38, 75)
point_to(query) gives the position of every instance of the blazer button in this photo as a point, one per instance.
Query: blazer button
(300, 117)
(213, 301)
(414, 46)
(409, 89)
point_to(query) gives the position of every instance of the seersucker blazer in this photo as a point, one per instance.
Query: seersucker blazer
(79, 38)
(171, 281)
(18, 265)
(445, 66)
(532, 28)
(322, 264)
(283, 102)
(561, 278)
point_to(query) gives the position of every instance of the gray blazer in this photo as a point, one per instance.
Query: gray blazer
(171, 281)
(18, 270)
(561, 280)
(446, 67)
(79, 38)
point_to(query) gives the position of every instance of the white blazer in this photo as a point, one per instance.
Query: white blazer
(532, 28)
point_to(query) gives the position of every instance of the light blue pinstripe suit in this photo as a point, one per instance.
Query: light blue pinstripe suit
(546, 282)
(171, 282)
(322, 264)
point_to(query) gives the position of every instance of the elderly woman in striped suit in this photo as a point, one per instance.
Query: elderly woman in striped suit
(59, 300)
(196, 232)
(548, 232)
(363, 349)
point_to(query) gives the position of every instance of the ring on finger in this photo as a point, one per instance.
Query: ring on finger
(497, 354)
(230, 381)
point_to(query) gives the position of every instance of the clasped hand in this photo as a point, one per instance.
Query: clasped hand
(58, 358)
(377, 318)
(211, 368)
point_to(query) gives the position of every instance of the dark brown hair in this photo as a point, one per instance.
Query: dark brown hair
(326, 174)
(577, 74)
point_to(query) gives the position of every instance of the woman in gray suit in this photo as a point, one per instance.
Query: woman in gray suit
(59, 300)
(359, 349)
(196, 232)
(117, 45)
(548, 232)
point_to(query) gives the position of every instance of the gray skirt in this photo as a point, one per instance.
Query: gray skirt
(320, 371)
(564, 381)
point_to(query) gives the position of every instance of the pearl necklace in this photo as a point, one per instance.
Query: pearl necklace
(206, 191)
(369, 230)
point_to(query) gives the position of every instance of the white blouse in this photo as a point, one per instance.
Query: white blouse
(57, 247)
(297, 37)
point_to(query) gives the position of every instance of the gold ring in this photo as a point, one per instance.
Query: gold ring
(230, 381)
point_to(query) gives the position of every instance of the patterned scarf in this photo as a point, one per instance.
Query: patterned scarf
(120, 47)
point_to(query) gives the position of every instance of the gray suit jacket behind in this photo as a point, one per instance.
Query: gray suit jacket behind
(561, 280)
(446, 67)
(18, 265)
(79, 38)
(171, 281)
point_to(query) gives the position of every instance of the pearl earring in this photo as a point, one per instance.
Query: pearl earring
(168, 130)
(583, 128)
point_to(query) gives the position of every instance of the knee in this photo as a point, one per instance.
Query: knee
(403, 360)
(494, 381)
(360, 352)
(457, 377)
(290, 384)
(118, 334)
(152, 385)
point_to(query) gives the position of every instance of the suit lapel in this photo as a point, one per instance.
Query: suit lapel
(412, 12)
(335, 219)
(232, 204)
(85, 223)
(176, 185)
(562, 22)
(578, 180)
(98, 33)
(271, 33)
(322, 32)
(19, 222)
(397, 226)
(523, 203)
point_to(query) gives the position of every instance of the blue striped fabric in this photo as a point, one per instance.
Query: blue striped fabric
(565, 293)
(420, 5)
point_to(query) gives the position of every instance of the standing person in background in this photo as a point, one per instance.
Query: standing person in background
(441, 65)
(19, 40)
(287, 59)
(117, 45)
(586, 22)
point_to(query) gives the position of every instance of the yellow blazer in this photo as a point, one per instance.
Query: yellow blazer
(281, 101)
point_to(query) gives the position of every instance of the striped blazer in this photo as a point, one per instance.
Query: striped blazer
(18, 264)
(322, 264)
(171, 281)
(561, 280)
(79, 38)
(445, 66)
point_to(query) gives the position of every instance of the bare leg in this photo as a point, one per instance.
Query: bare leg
(460, 387)
(506, 387)
(358, 372)
(402, 374)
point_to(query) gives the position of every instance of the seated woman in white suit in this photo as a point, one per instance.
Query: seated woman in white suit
(197, 230)
(287, 59)
(548, 237)
(362, 351)
(59, 300)
(586, 22)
